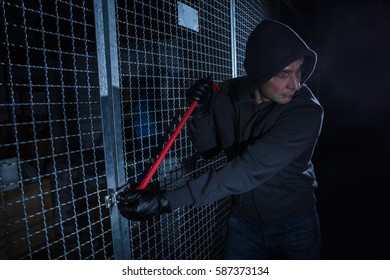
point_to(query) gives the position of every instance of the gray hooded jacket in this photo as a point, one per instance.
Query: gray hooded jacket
(269, 146)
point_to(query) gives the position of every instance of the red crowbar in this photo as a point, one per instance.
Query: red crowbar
(164, 151)
(162, 154)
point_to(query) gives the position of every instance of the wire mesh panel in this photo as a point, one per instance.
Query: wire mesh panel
(51, 149)
(159, 60)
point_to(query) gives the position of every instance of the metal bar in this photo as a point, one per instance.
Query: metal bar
(161, 156)
(106, 44)
(233, 38)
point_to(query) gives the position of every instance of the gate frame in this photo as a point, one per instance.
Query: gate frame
(107, 56)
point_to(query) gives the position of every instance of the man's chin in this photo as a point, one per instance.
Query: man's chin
(284, 100)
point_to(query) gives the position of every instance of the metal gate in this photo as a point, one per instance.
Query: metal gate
(89, 93)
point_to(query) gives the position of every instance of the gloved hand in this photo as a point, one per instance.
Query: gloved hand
(141, 205)
(201, 91)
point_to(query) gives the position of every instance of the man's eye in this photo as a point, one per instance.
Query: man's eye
(282, 75)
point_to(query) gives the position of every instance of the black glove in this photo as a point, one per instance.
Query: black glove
(201, 91)
(141, 205)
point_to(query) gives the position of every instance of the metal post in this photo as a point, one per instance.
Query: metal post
(107, 55)
(233, 38)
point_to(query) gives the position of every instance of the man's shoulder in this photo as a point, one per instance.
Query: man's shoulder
(305, 94)
(230, 83)
(232, 86)
(304, 98)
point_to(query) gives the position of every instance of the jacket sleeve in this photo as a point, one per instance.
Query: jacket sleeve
(203, 135)
(294, 133)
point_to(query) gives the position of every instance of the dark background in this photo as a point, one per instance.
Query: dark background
(352, 80)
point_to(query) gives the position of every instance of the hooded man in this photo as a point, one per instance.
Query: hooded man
(267, 123)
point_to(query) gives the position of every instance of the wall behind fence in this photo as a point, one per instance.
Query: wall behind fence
(54, 158)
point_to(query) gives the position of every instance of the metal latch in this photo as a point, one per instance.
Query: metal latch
(110, 198)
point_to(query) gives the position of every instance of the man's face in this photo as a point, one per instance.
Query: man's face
(282, 86)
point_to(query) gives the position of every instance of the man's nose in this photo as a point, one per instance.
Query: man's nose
(295, 82)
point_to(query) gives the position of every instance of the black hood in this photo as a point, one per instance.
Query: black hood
(270, 48)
